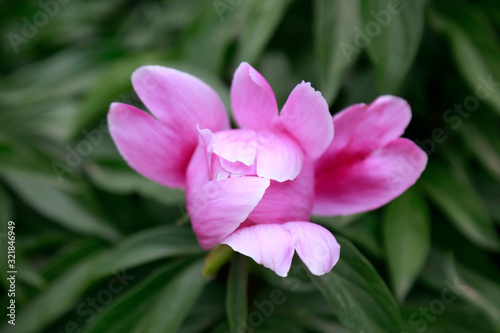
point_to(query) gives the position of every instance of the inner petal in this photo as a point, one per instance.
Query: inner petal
(236, 146)
(217, 171)
(279, 157)
(238, 168)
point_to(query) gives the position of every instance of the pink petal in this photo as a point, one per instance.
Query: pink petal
(199, 170)
(287, 201)
(149, 147)
(219, 207)
(253, 101)
(238, 168)
(180, 101)
(207, 138)
(362, 128)
(268, 244)
(306, 117)
(358, 185)
(272, 245)
(345, 182)
(315, 245)
(278, 156)
(236, 145)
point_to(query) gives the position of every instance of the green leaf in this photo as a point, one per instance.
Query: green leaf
(458, 317)
(358, 295)
(277, 323)
(392, 32)
(458, 199)
(490, 194)
(481, 144)
(5, 206)
(480, 291)
(338, 222)
(318, 324)
(71, 254)
(406, 239)
(209, 41)
(18, 155)
(259, 28)
(44, 197)
(130, 307)
(447, 272)
(40, 241)
(60, 295)
(236, 297)
(455, 280)
(475, 46)
(221, 328)
(334, 33)
(276, 67)
(175, 301)
(364, 233)
(149, 245)
(122, 179)
(208, 310)
(491, 8)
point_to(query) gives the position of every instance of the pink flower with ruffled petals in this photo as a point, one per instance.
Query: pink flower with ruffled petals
(255, 188)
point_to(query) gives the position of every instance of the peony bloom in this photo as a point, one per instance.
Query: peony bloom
(255, 188)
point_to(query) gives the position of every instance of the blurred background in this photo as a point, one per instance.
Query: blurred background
(101, 249)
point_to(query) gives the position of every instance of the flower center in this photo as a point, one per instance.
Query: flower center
(234, 155)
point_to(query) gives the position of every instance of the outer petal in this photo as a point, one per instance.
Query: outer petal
(150, 148)
(362, 128)
(200, 167)
(253, 101)
(315, 245)
(278, 156)
(306, 117)
(180, 101)
(287, 201)
(219, 207)
(367, 183)
(270, 245)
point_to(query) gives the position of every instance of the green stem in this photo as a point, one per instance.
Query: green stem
(216, 258)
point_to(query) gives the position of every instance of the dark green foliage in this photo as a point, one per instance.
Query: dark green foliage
(101, 249)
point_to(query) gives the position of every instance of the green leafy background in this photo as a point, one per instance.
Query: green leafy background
(101, 249)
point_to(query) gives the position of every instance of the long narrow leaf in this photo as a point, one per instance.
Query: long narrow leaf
(358, 295)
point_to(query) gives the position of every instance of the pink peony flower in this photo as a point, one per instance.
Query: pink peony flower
(255, 188)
